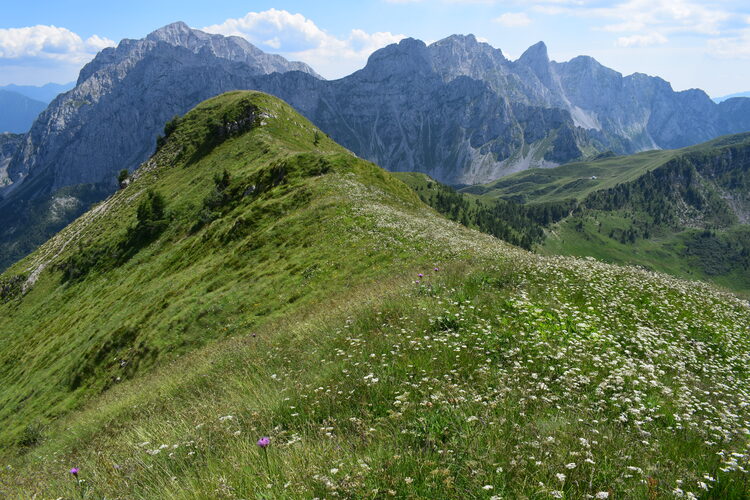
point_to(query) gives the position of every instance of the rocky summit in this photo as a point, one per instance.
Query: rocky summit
(126, 94)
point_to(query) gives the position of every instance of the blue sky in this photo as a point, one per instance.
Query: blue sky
(691, 43)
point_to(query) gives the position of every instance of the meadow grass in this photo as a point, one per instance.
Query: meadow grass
(385, 351)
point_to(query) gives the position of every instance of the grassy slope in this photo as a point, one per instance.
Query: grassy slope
(501, 373)
(275, 249)
(681, 252)
(669, 252)
(574, 180)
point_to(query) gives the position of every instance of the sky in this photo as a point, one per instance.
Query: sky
(690, 43)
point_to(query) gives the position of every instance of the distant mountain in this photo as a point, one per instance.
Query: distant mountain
(458, 110)
(731, 96)
(126, 94)
(45, 93)
(18, 112)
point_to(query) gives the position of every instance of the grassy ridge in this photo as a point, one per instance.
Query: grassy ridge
(281, 241)
(507, 375)
(386, 351)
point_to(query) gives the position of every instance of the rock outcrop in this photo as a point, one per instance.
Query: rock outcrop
(9, 144)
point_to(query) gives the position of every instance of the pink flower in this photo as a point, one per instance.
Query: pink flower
(74, 471)
(264, 442)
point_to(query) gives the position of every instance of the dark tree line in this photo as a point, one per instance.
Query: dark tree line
(521, 225)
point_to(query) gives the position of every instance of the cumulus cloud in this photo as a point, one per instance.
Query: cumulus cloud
(49, 42)
(669, 16)
(513, 19)
(40, 54)
(644, 23)
(298, 38)
(737, 46)
(641, 40)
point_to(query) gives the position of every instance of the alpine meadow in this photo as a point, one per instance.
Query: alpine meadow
(447, 275)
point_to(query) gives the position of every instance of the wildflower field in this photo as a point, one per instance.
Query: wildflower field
(352, 343)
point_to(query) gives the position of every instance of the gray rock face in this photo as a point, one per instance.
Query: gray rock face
(9, 144)
(460, 111)
(437, 110)
(126, 94)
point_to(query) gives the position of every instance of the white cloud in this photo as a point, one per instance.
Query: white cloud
(641, 40)
(644, 23)
(668, 16)
(49, 42)
(298, 38)
(513, 19)
(40, 54)
(730, 47)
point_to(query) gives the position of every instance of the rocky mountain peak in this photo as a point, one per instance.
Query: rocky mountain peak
(408, 56)
(536, 59)
(464, 55)
(465, 41)
(589, 65)
(176, 34)
(190, 65)
(466, 47)
(535, 55)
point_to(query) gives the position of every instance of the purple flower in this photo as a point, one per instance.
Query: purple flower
(264, 442)
(74, 471)
(420, 275)
(437, 269)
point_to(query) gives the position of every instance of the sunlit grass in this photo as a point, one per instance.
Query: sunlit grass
(496, 373)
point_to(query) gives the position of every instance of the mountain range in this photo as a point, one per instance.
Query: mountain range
(44, 93)
(731, 96)
(21, 104)
(458, 110)
(18, 112)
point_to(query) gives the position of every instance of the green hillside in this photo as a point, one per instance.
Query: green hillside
(579, 179)
(683, 212)
(255, 280)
